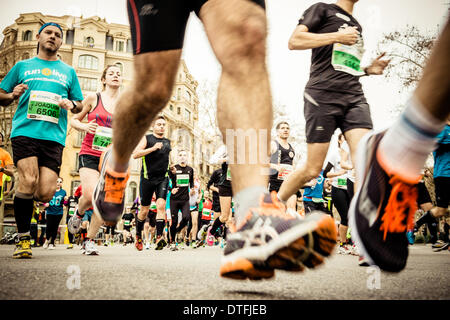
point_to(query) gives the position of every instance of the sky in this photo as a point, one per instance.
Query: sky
(288, 70)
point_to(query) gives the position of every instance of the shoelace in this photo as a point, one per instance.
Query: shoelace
(397, 209)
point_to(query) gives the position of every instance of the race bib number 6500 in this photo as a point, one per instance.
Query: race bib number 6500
(44, 106)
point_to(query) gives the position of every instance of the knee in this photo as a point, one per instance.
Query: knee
(312, 172)
(248, 45)
(45, 195)
(150, 94)
(29, 183)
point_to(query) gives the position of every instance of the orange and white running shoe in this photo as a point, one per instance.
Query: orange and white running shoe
(382, 209)
(270, 239)
(108, 197)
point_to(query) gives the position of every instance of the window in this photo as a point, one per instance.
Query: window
(69, 36)
(120, 65)
(109, 43)
(25, 56)
(89, 42)
(132, 191)
(178, 110)
(120, 46)
(88, 84)
(74, 185)
(129, 46)
(79, 138)
(187, 115)
(178, 93)
(88, 62)
(27, 35)
(77, 162)
(171, 107)
(187, 95)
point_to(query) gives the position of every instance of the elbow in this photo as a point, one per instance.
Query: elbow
(295, 44)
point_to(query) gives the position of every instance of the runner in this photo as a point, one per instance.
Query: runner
(239, 45)
(154, 150)
(313, 195)
(194, 207)
(6, 165)
(128, 218)
(425, 204)
(46, 88)
(282, 162)
(383, 208)
(99, 108)
(206, 215)
(182, 177)
(71, 204)
(55, 212)
(150, 223)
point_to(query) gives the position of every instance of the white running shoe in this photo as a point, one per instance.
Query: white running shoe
(90, 248)
(147, 245)
(51, 246)
(45, 246)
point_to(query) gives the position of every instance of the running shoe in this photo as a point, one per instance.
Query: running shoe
(363, 262)
(382, 210)
(440, 246)
(139, 245)
(202, 233)
(46, 243)
(147, 245)
(51, 246)
(160, 244)
(344, 249)
(173, 247)
(74, 223)
(108, 197)
(83, 247)
(437, 244)
(70, 246)
(270, 239)
(209, 237)
(411, 237)
(90, 248)
(23, 248)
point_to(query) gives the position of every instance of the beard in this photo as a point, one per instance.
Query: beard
(49, 48)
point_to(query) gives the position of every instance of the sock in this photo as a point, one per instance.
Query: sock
(159, 227)
(23, 211)
(139, 227)
(406, 145)
(246, 199)
(216, 225)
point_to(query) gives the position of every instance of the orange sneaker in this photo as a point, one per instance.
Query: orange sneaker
(270, 239)
(108, 197)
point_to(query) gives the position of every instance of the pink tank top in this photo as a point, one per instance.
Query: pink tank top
(104, 119)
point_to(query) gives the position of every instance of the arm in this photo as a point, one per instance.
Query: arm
(336, 174)
(7, 98)
(140, 150)
(76, 123)
(301, 39)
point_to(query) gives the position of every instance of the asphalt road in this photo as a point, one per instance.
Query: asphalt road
(193, 274)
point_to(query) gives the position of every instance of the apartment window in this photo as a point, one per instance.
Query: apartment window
(88, 62)
(69, 36)
(89, 42)
(178, 93)
(88, 84)
(171, 107)
(187, 115)
(178, 110)
(120, 46)
(132, 191)
(79, 138)
(187, 95)
(129, 46)
(77, 162)
(109, 43)
(27, 35)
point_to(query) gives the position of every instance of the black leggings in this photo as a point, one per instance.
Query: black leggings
(341, 201)
(175, 206)
(53, 221)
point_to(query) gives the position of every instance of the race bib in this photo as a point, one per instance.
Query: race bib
(182, 180)
(71, 211)
(43, 106)
(153, 206)
(102, 138)
(285, 170)
(206, 213)
(342, 182)
(348, 58)
(228, 174)
(126, 223)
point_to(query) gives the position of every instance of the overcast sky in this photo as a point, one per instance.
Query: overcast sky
(289, 70)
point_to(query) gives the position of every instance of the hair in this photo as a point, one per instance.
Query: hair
(61, 179)
(339, 139)
(103, 77)
(280, 123)
(182, 150)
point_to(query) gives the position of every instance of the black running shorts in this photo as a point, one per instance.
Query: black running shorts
(49, 153)
(275, 185)
(148, 187)
(225, 191)
(423, 194)
(441, 188)
(88, 161)
(159, 25)
(326, 110)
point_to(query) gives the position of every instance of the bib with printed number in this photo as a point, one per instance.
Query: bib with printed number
(182, 180)
(285, 170)
(102, 138)
(348, 58)
(44, 106)
(206, 213)
(342, 182)
(126, 223)
(228, 174)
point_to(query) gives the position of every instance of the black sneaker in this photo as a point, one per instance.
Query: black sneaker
(108, 197)
(161, 244)
(382, 210)
(271, 239)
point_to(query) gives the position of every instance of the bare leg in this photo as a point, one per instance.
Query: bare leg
(96, 223)
(353, 137)
(237, 30)
(89, 179)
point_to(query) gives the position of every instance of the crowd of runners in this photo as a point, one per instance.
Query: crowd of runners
(359, 193)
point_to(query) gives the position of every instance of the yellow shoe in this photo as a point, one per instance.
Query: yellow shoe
(23, 248)
(70, 246)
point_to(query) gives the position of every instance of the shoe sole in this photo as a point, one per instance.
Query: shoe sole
(304, 246)
(23, 255)
(361, 157)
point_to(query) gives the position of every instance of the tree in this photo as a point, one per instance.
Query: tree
(409, 49)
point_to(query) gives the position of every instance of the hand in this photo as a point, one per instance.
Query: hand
(65, 104)
(174, 190)
(19, 90)
(91, 126)
(157, 146)
(377, 66)
(348, 35)
(173, 169)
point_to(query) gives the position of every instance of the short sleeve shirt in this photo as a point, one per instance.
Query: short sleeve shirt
(5, 160)
(38, 115)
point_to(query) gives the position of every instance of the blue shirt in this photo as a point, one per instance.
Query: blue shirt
(442, 154)
(56, 204)
(37, 115)
(314, 191)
